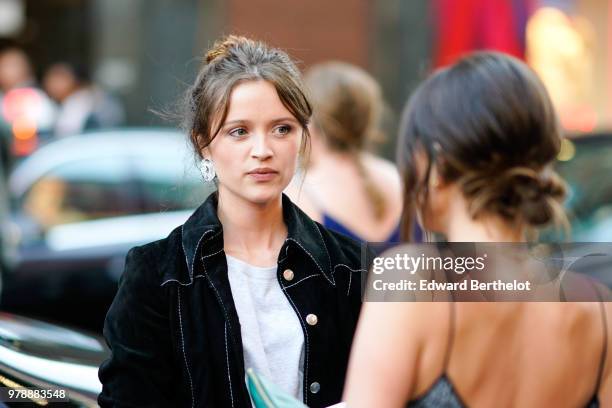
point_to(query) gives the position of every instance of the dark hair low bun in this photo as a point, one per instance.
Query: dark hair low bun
(519, 194)
(540, 198)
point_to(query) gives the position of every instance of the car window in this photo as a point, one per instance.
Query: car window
(589, 202)
(82, 190)
(169, 183)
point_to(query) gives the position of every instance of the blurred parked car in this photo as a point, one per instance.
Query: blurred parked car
(42, 356)
(79, 204)
(585, 162)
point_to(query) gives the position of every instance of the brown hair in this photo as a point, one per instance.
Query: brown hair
(486, 123)
(230, 61)
(347, 109)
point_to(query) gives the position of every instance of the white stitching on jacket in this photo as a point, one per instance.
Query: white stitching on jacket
(183, 347)
(187, 260)
(177, 281)
(305, 330)
(325, 245)
(222, 306)
(197, 246)
(315, 261)
(229, 376)
(348, 267)
(209, 255)
(303, 279)
(348, 290)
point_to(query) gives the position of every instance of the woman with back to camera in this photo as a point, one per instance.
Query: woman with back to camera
(345, 188)
(478, 141)
(249, 281)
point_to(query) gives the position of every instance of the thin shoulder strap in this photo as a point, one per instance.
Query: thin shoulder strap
(451, 336)
(604, 351)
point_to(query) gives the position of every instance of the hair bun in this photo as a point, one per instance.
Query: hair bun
(537, 196)
(520, 194)
(222, 48)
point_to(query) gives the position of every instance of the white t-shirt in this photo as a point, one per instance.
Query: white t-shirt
(272, 337)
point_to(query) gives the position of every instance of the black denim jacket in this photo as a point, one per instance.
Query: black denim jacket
(173, 327)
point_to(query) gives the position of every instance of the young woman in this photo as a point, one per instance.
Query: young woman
(478, 141)
(249, 281)
(346, 188)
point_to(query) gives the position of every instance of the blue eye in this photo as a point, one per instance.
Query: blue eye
(284, 129)
(238, 132)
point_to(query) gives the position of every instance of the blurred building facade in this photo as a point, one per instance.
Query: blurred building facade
(146, 52)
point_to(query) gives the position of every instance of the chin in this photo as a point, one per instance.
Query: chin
(262, 195)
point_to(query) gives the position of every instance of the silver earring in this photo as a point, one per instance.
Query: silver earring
(208, 170)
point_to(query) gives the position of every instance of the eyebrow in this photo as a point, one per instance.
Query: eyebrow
(283, 119)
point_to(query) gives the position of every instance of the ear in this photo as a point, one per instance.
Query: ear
(205, 152)
(435, 180)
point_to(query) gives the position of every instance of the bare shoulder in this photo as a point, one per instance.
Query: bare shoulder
(387, 355)
(382, 169)
(299, 197)
(385, 174)
(417, 321)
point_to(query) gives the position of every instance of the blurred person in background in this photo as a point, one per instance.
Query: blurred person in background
(478, 141)
(48, 203)
(82, 104)
(344, 187)
(15, 70)
(249, 281)
(25, 111)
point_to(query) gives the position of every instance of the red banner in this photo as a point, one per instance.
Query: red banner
(468, 25)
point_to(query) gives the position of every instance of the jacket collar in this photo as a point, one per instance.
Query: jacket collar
(203, 226)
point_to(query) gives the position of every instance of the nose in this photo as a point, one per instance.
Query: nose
(261, 148)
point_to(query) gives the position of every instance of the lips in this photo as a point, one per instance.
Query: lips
(262, 170)
(262, 174)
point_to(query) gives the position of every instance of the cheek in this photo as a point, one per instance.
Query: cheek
(289, 154)
(224, 157)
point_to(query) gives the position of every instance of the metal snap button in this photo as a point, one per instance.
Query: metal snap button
(288, 275)
(315, 387)
(312, 319)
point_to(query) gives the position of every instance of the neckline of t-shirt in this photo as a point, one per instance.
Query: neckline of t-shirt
(258, 272)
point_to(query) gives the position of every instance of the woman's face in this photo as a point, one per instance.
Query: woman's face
(255, 153)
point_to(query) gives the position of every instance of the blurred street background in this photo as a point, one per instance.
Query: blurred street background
(143, 52)
(90, 168)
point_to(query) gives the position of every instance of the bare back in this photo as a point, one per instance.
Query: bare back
(519, 354)
(334, 188)
(495, 354)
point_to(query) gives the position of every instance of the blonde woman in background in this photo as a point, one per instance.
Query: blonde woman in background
(345, 188)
